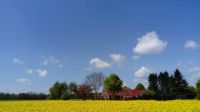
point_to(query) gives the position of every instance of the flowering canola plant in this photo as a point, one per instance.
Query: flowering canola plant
(100, 106)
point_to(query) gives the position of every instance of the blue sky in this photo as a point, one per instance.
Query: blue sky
(42, 41)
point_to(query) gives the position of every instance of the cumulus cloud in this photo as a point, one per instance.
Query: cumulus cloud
(141, 76)
(41, 72)
(118, 58)
(98, 63)
(50, 60)
(149, 44)
(23, 81)
(143, 72)
(17, 61)
(29, 71)
(191, 44)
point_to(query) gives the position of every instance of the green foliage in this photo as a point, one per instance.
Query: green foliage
(153, 82)
(113, 83)
(58, 91)
(148, 94)
(140, 86)
(198, 89)
(169, 87)
(64, 96)
(164, 85)
(181, 84)
(62, 90)
(23, 96)
(191, 92)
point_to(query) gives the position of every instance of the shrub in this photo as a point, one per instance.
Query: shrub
(148, 94)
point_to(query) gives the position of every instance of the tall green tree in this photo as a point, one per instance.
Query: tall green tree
(140, 86)
(153, 82)
(180, 83)
(172, 84)
(198, 89)
(113, 84)
(58, 91)
(164, 85)
(172, 88)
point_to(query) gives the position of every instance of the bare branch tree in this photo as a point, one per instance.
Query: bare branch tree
(95, 80)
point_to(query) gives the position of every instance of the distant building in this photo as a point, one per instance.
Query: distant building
(124, 94)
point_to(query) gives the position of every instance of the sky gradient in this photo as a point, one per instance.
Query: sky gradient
(43, 41)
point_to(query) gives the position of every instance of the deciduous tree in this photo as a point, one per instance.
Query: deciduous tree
(140, 86)
(83, 91)
(113, 84)
(95, 80)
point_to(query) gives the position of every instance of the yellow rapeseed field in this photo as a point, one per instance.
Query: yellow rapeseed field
(100, 106)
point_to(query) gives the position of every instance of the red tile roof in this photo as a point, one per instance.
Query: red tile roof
(124, 92)
(137, 93)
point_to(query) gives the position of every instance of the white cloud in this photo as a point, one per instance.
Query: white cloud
(17, 61)
(143, 72)
(29, 71)
(118, 58)
(191, 44)
(98, 63)
(23, 81)
(50, 60)
(41, 72)
(136, 57)
(149, 44)
(141, 76)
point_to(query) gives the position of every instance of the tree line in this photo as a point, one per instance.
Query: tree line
(23, 96)
(162, 86)
(89, 89)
